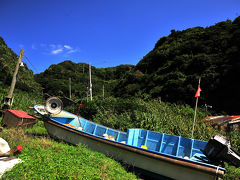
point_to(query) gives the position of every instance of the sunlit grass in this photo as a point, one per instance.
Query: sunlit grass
(45, 158)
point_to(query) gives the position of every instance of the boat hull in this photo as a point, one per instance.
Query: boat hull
(152, 162)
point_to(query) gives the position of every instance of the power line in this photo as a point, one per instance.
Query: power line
(31, 64)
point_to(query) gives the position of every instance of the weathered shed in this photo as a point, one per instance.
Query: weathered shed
(18, 119)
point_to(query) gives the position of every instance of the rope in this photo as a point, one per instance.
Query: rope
(217, 171)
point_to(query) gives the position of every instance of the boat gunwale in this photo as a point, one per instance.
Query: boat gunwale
(208, 168)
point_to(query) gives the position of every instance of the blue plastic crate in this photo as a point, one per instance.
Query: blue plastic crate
(185, 147)
(197, 146)
(169, 144)
(136, 137)
(122, 137)
(89, 127)
(100, 130)
(113, 133)
(153, 140)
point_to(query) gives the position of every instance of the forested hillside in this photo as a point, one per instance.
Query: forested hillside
(55, 80)
(8, 60)
(172, 69)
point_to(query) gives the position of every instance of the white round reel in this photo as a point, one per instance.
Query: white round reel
(53, 105)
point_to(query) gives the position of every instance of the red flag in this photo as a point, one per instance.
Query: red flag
(79, 107)
(197, 95)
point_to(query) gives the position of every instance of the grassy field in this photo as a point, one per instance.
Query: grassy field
(45, 158)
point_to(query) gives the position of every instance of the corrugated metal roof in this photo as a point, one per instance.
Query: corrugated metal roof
(20, 114)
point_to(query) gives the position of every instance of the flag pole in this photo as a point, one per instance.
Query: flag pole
(197, 95)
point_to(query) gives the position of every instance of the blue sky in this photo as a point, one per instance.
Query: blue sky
(106, 33)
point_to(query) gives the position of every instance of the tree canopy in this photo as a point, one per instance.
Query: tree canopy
(172, 69)
(8, 60)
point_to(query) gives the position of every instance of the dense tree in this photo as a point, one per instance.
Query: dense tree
(8, 60)
(55, 80)
(172, 69)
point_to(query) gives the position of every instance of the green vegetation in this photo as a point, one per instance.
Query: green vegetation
(44, 158)
(8, 60)
(55, 80)
(172, 69)
(152, 95)
(152, 115)
(22, 100)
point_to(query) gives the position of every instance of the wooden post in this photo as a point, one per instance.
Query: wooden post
(8, 99)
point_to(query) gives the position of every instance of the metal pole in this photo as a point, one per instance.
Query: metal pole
(8, 99)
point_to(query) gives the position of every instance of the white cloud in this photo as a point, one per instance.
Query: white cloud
(57, 51)
(67, 47)
(72, 51)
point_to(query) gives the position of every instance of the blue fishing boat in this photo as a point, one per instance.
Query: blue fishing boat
(163, 154)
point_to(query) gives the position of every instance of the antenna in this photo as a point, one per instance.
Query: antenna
(90, 81)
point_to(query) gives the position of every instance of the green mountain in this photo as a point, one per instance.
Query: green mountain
(8, 60)
(55, 80)
(172, 69)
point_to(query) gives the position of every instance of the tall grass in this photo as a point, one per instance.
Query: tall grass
(22, 100)
(136, 113)
(45, 158)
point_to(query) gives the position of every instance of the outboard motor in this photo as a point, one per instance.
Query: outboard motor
(218, 149)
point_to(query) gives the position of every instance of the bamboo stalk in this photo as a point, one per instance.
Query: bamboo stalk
(195, 111)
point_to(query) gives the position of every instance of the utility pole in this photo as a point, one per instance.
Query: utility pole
(8, 99)
(104, 78)
(90, 81)
(87, 93)
(70, 88)
(103, 91)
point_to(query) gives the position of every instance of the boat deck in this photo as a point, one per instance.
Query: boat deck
(156, 142)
